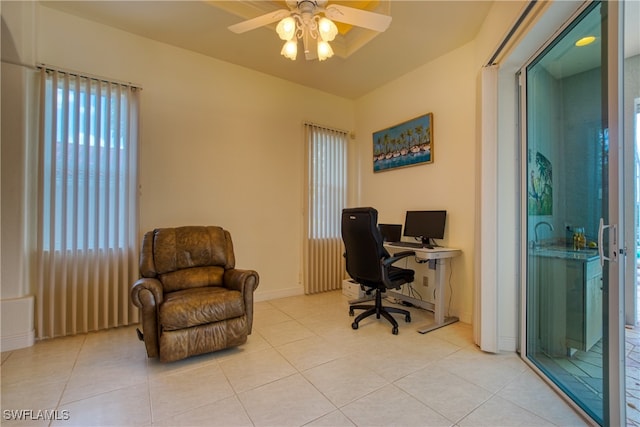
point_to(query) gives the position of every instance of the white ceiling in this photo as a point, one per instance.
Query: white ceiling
(565, 59)
(421, 30)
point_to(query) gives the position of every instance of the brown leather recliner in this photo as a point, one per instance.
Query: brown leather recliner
(192, 298)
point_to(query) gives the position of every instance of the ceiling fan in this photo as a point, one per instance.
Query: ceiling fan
(304, 20)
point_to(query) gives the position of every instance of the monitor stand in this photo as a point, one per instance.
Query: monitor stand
(427, 243)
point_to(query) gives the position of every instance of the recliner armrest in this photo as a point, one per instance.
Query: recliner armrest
(246, 282)
(152, 285)
(241, 280)
(148, 294)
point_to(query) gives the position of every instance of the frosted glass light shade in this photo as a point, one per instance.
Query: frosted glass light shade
(327, 29)
(324, 50)
(286, 28)
(290, 50)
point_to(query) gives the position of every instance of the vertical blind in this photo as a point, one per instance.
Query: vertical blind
(326, 197)
(87, 198)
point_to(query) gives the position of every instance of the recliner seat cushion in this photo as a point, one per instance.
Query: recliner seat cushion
(199, 306)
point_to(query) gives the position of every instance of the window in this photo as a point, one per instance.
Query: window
(327, 194)
(87, 163)
(87, 223)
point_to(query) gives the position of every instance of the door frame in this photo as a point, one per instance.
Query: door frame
(613, 352)
(614, 355)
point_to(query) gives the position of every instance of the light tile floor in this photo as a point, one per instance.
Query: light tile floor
(303, 365)
(632, 373)
(632, 364)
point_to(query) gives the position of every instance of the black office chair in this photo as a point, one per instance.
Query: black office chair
(369, 264)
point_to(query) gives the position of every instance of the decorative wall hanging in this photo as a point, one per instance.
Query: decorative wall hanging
(406, 144)
(540, 186)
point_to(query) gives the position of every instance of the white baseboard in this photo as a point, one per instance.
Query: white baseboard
(507, 344)
(15, 342)
(280, 293)
(18, 330)
(466, 317)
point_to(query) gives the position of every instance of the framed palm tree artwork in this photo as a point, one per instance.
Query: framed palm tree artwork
(540, 185)
(405, 144)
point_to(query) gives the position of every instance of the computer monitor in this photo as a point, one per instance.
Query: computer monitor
(390, 232)
(425, 225)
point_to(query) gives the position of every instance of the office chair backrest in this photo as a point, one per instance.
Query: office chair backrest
(363, 245)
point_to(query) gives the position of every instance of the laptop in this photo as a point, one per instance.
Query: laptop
(390, 232)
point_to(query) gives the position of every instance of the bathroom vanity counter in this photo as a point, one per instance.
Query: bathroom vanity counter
(566, 253)
(570, 293)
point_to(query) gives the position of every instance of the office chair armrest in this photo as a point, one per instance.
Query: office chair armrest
(397, 257)
(385, 266)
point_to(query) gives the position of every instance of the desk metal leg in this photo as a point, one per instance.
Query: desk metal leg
(435, 325)
(438, 313)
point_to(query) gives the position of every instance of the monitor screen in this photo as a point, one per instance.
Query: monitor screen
(390, 232)
(425, 224)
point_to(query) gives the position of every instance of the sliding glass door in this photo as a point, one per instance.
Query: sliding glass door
(567, 209)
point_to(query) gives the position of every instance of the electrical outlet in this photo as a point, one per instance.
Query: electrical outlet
(425, 281)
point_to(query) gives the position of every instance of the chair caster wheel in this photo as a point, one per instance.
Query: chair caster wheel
(394, 331)
(351, 312)
(354, 325)
(407, 319)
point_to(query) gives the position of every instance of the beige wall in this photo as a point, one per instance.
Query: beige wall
(446, 88)
(17, 130)
(220, 144)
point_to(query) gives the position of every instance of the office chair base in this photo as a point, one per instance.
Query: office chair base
(394, 329)
(379, 310)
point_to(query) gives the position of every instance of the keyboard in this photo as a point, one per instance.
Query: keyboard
(415, 245)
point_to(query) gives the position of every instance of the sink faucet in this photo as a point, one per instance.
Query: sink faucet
(535, 230)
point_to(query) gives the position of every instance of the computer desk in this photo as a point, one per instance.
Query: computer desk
(437, 256)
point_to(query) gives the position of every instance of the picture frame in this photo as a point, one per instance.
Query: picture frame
(539, 185)
(406, 144)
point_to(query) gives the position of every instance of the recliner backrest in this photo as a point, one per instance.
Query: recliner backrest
(363, 244)
(187, 257)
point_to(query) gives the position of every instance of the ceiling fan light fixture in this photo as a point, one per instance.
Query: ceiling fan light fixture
(313, 20)
(286, 28)
(324, 50)
(290, 50)
(327, 29)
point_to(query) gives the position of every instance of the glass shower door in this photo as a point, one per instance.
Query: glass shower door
(567, 196)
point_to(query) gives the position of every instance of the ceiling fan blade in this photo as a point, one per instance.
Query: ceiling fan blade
(360, 18)
(266, 19)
